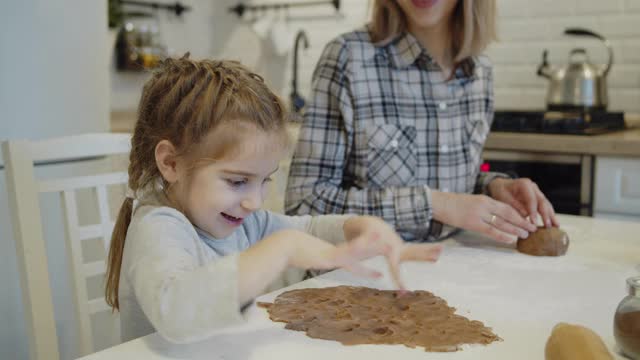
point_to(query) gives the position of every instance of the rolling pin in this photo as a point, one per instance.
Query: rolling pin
(568, 341)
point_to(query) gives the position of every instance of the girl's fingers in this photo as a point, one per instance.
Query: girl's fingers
(421, 252)
(393, 259)
(344, 255)
(394, 271)
(370, 244)
(361, 270)
(360, 248)
(366, 246)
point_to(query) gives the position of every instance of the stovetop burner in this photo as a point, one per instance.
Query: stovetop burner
(555, 122)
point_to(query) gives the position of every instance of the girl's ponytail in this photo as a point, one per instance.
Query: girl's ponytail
(115, 253)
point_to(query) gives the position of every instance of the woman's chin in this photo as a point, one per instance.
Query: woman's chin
(425, 22)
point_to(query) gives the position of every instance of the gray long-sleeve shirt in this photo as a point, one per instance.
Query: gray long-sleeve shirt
(181, 282)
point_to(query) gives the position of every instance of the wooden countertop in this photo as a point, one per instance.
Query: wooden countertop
(619, 143)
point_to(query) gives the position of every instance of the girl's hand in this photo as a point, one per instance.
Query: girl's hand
(262, 263)
(305, 251)
(482, 214)
(525, 196)
(369, 236)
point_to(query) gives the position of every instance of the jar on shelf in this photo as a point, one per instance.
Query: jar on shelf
(626, 322)
(139, 44)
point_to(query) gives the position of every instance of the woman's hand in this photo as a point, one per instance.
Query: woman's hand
(369, 236)
(480, 213)
(525, 196)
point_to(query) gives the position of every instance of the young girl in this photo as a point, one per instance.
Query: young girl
(399, 114)
(195, 247)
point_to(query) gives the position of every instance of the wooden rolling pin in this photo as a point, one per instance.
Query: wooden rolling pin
(568, 341)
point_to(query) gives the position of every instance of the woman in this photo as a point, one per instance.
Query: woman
(399, 114)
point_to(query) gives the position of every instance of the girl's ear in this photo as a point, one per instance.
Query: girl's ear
(166, 161)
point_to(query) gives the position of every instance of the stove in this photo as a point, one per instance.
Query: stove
(556, 122)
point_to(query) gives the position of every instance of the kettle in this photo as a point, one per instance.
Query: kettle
(580, 85)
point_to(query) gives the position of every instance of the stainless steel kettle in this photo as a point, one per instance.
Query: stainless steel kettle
(580, 85)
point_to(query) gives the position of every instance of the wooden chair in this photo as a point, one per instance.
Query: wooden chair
(24, 191)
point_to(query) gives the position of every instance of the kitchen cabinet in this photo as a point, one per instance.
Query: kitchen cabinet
(619, 165)
(617, 187)
(565, 179)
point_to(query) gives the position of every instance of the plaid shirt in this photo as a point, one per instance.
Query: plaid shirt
(383, 128)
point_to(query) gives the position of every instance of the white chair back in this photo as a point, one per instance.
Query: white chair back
(24, 190)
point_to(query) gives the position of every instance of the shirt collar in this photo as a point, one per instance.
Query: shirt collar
(405, 50)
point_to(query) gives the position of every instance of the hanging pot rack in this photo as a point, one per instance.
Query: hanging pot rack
(177, 8)
(241, 8)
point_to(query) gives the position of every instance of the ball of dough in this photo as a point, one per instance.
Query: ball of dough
(569, 341)
(545, 242)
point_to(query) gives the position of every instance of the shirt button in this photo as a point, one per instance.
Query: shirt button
(442, 105)
(444, 148)
(394, 143)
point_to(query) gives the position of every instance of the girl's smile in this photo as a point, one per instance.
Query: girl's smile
(234, 221)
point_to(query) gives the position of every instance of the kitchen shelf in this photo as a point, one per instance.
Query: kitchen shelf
(241, 8)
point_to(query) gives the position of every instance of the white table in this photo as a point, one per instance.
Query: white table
(521, 297)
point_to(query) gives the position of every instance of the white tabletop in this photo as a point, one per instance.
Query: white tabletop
(520, 297)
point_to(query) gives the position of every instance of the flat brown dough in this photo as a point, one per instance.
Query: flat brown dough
(361, 315)
(545, 242)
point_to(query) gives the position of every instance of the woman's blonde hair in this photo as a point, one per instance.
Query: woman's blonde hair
(473, 25)
(183, 102)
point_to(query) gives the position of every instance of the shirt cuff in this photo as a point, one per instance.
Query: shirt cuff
(411, 207)
(429, 207)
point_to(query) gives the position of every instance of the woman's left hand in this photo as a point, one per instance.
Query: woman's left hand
(525, 196)
(369, 236)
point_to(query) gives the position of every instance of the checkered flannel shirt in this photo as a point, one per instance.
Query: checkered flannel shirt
(383, 128)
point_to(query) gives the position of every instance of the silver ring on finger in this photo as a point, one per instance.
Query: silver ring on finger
(493, 220)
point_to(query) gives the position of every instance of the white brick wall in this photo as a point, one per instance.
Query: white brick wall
(321, 25)
(525, 27)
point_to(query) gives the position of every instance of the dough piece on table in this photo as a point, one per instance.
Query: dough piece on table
(361, 315)
(545, 242)
(568, 341)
